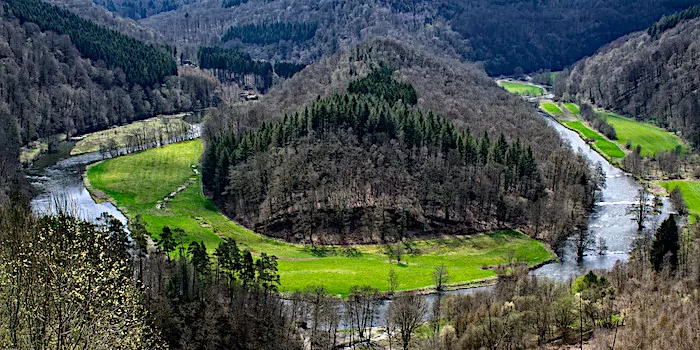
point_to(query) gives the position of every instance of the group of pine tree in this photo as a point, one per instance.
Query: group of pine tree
(236, 65)
(270, 33)
(61, 74)
(368, 166)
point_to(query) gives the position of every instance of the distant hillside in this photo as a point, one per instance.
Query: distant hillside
(85, 80)
(342, 153)
(507, 36)
(338, 24)
(654, 78)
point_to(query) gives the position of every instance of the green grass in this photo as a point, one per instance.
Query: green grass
(573, 108)
(522, 88)
(652, 139)
(604, 145)
(690, 191)
(138, 181)
(551, 108)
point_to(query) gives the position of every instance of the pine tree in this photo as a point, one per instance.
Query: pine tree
(665, 245)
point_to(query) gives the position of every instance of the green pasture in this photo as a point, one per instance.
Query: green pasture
(139, 181)
(652, 139)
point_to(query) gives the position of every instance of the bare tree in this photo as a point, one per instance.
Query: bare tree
(393, 281)
(441, 277)
(640, 209)
(406, 312)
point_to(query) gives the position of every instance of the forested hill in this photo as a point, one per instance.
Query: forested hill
(143, 64)
(47, 88)
(507, 36)
(364, 153)
(651, 77)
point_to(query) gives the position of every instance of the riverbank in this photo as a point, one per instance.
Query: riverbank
(139, 183)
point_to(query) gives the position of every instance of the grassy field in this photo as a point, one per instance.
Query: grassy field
(92, 142)
(573, 108)
(551, 108)
(652, 139)
(522, 89)
(604, 145)
(137, 182)
(690, 191)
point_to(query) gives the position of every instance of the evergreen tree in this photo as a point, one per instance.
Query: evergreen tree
(665, 247)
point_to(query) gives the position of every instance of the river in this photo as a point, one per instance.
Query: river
(609, 220)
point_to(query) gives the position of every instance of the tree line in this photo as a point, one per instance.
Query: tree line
(270, 33)
(240, 64)
(143, 64)
(47, 88)
(671, 21)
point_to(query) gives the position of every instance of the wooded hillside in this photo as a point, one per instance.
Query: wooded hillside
(651, 77)
(365, 165)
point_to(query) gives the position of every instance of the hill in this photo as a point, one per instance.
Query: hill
(651, 77)
(63, 74)
(506, 36)
(333, 155)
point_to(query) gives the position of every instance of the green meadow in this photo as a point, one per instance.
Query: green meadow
(573, 108)
(522, 89)
(551, 108)
(606, 146)
(690, 191)
(652, 139)
(137, 182)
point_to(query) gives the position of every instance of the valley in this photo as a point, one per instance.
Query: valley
(349, 174)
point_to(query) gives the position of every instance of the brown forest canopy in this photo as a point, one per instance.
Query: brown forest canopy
(652, 78)
(508, 36)
(347, 184)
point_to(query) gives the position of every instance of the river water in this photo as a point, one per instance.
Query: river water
(63, 179)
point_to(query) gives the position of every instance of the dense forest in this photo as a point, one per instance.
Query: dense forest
(507, 36)
(264, 34)
(368, 166)
(143, 64)
(48, 88)
(180, 297)
(651, 78)
(236, 65)
(137, 9)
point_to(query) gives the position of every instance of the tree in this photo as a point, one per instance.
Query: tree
(85, 299)
(441, 277)
(393, 281)
(406, 312)
(678, 202)
(167, 241)
(140, 236)
(665, 247)
(640, 209)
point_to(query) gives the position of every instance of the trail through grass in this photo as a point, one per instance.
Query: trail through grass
(139, 181)
(652, 139)
(522, 89)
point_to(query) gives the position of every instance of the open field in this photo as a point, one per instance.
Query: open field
(139, 181)
(573, 108)
(551, 108)
(165, 127)
(690, 191)
(522, 89)
(606, 146)
(652, 139)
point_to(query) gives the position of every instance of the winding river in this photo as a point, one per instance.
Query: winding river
(609, 220)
